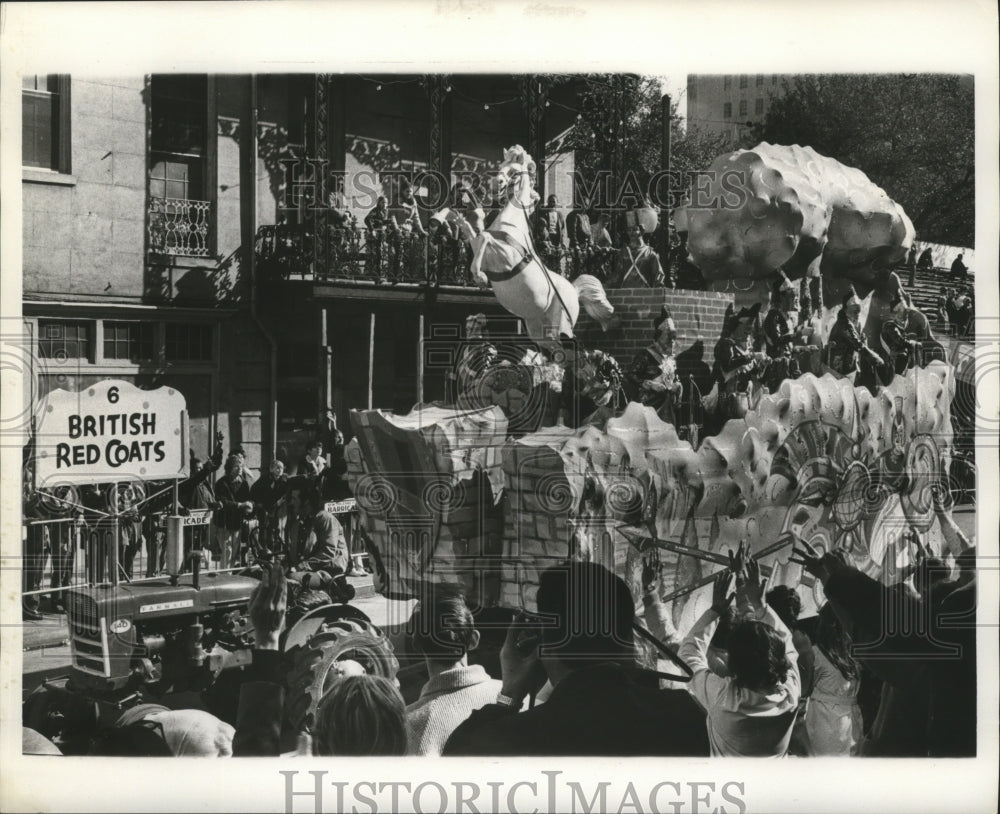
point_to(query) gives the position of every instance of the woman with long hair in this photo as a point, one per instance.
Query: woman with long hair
(833, 717)
(361, 715)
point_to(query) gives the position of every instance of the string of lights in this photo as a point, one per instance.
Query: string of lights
(381, 82)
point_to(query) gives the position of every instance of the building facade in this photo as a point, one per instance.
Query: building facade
(182, 230)
(729, 104)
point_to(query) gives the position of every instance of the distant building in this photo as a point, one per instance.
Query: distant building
(725, 103)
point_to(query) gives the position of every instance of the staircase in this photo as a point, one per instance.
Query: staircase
(928, 285)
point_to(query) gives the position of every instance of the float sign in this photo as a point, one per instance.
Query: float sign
(111, 431)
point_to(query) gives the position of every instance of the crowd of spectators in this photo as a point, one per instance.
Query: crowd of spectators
(243, 519)
(401, 240)
(857, 679)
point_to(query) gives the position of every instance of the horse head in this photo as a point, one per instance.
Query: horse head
(516, 178)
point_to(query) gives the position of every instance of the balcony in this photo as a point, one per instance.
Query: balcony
(390, 258)
(179, 227)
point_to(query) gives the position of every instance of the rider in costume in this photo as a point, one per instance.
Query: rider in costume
(637, 265)
(781, 332)
(738, 369)
(847, 347)
(654, 370)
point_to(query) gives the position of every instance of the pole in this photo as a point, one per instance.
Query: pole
(326, 393)
(420, 360)
(115, 537)
(371, 359)
(665, 137)
(667, 119)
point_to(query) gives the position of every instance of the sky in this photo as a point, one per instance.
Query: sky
(676, 86)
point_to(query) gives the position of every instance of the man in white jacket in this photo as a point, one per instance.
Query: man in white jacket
(750, 713)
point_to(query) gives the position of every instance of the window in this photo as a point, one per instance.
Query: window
(45, 122)
(758, 106)
(727, 110)
(131, 341)
(743, 81)
(297, 359)
(743, 107)
(59, 339)
(774, 79)
(760, 79)
(178, 165)
(728, 82)
(692, 93)
(188, 343)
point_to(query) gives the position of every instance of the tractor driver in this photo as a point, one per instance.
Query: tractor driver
(320, 548)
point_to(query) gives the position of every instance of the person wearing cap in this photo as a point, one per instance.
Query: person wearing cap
(779, 333)
(654, 370)
(637, 264)
(738, 368)
(582, 642)
(847, 344)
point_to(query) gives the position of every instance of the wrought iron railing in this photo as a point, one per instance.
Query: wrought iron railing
(572, 262)
(179, 227)
(391, 257)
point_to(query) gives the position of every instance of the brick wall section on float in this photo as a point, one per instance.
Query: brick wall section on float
(697, 314)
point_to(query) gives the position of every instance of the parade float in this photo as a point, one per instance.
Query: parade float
(463, 494)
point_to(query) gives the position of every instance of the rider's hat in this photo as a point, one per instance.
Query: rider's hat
(782, 284)
(851, 299)
(645, 218)
(747, 315)
(665, 318)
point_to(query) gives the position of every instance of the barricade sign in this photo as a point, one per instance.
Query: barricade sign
(341, 506)
(111, 432)
(198, 517)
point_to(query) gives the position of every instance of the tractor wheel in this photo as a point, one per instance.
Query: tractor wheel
(43, 713)
(312, 669)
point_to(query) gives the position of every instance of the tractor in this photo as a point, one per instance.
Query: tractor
(183, 640)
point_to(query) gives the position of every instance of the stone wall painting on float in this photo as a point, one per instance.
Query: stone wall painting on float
(840, 467)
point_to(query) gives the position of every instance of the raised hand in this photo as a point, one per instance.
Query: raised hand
(268, 603)
(821, 566)
(753, 587)
(651, 571)
(738, 562)
(519, 657)
(721, 597)
(806, 555)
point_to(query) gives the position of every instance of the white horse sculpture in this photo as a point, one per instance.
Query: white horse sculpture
(504, 257)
